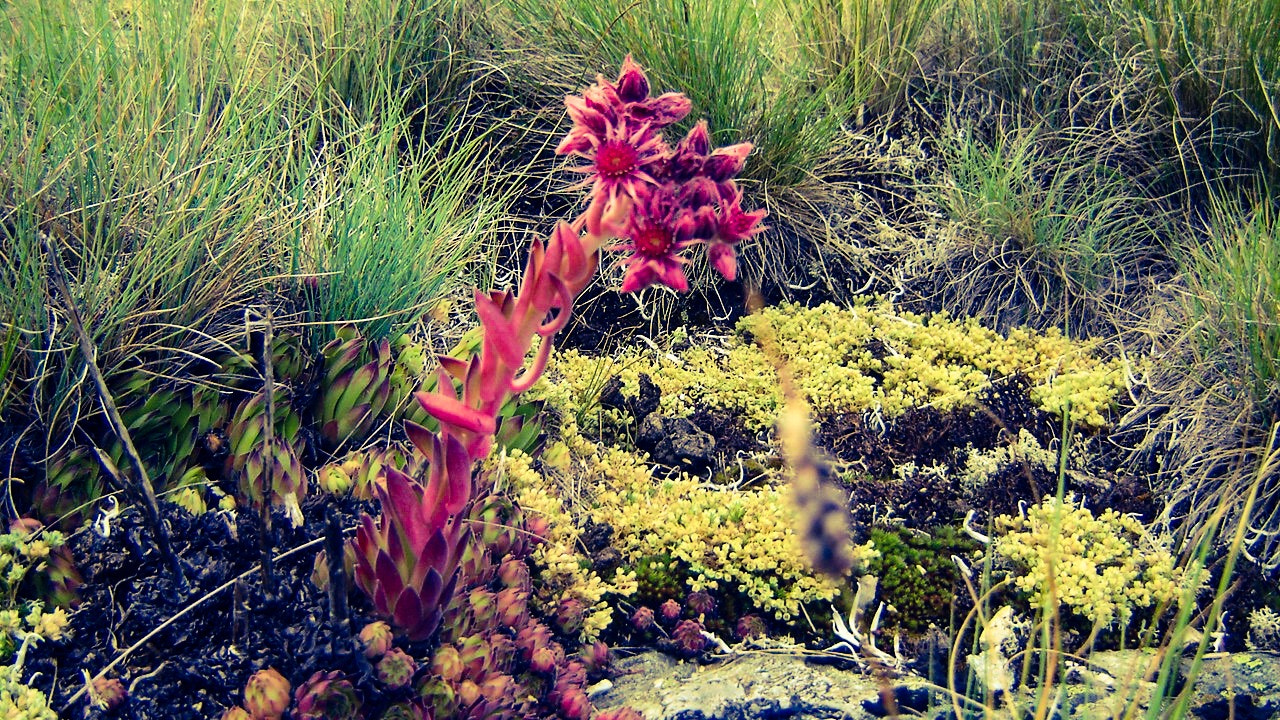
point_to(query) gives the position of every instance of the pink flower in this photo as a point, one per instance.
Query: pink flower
(625, 102)
(733, 225)
(659, 229)
(620, 160)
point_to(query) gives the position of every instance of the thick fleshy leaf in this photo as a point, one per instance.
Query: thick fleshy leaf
(451, 410)
(431, 592)
(564, 300)
(407, 614)
(367, 539)
(400, 500)
(389, 579)
(434, 555)
(458, 468)
(498, 332)
(420, 437)
(455, 367)
(382, 602)
(533, 372)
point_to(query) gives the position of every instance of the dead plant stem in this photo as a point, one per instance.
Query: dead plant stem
(141, 488)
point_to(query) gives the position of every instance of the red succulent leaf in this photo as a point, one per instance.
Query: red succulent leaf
(455, 367)
(399, 501)
(408, 613)
(420, 437)
(726, 162)
(498, 332)
(533, 372)
(389, 578)
(450, 410)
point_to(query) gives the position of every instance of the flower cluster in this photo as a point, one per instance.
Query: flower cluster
(682, 196)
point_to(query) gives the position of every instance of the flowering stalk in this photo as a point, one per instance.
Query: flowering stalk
(658, 202)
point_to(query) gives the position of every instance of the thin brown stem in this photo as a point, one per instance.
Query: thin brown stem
(268, 454)
(138, 485)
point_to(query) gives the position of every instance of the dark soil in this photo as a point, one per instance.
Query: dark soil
(927, 437)
(197, 666)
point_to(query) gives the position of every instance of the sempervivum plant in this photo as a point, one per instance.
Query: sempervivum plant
(326, 696)
(407, 560)
(438, 553)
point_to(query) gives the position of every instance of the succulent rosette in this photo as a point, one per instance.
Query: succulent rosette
(407, 560)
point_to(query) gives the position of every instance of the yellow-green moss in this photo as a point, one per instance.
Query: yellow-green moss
(743, 540)
(19, 702)
(868, 357)
(1102, 568)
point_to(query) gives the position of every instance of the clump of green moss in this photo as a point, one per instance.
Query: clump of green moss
(917, 575)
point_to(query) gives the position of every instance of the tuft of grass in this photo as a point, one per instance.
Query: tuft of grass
(868, 49)
(1233, 274)
(383, 235)
(1041, 229)
(187, 159)
(133, 140)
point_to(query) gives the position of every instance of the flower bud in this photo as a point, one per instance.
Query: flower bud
(326, 696)
(642, 619)
(531, 637)
(727, 162)
(474, 653)
(266, 695)
(483, 608)
(688, 637)
(501, 648)
(701, 603)
(333, 479)
(376, 638)
(543, 661)
(396, 668)
(500, 690)
(572, 675)
(751, 626)
(447, 663)
(595, 657)
(468, 693)
(670, 611)
(574, 705)
(633, 85)
(569, 615)
(514, 574)
(108, 693)
(697, 141)
(513, 606)
(537, 528)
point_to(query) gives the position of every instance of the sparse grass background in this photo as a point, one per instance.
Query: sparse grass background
(1105, 166)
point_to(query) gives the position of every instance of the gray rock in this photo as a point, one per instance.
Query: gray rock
(1239, 685)
(746, 686)
(759, 685)
(676, 443)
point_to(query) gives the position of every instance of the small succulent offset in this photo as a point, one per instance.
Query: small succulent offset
(647, 200)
